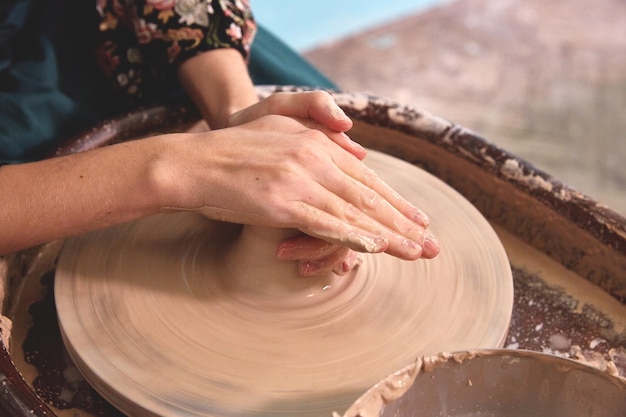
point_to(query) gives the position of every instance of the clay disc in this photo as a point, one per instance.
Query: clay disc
(154, 326)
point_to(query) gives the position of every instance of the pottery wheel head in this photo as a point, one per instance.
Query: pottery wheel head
(164, 317)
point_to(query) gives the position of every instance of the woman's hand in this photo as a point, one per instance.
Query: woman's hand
(315, 256)
(318, 106)
(286, 173)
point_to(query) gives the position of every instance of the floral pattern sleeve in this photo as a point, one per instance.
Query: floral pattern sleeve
(143, 41)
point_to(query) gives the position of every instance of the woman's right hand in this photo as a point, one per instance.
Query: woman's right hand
(317, 106)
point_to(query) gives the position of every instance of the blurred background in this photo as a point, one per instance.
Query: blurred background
(545, 80)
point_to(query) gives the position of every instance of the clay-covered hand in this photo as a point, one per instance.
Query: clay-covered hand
(282, 172)
(315, 256)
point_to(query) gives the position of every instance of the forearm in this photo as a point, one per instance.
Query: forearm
(219, 84)
(60, 197)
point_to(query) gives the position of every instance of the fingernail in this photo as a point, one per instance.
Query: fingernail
(354, 144)
(431, 246)
(337, 112)
(414, 251)
(420, 217)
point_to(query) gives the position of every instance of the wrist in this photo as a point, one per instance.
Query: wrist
(179, 166)
(165, 175)
(218, 83)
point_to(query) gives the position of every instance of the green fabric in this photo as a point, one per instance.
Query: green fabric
(272, 62)
(51, 89)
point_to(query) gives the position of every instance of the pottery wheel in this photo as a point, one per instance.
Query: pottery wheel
(177, 315)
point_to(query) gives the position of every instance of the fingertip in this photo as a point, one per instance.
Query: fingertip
(341, 119)
(369, 244)
(344, 123)
(354, 148)
(412, 250)
(351, 262)
(283, 251)
(421, 218)
(431, 247)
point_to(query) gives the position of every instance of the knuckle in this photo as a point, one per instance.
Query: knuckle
(277, 102)
(369, 177)
(351, 213)
(307, 218)
(315, 135)
(321, 97)
(308, 155)
(370, 200)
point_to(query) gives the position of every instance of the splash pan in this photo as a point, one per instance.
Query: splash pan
(502, 383)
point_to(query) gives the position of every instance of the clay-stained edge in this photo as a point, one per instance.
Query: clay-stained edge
(394, 386)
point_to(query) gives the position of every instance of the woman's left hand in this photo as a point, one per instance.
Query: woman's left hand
(318, 106)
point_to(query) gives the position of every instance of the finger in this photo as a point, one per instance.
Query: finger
(343, 140)
(368, 178)
(324, 215)
(359, 197)
(352, 261)
(322, 225)
(351, 202)
(408, 223)
(315, 105)
(304, 247)
(365, 191)
(339, 222)
(333, 262)
(375, 194)
(317, 256)
(430, 247)
(320, 107)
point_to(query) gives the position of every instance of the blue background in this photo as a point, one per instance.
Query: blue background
(305, 24)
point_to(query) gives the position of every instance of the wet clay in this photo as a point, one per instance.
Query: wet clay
(178, 315)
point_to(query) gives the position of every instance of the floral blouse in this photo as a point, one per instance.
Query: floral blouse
(142, 41)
